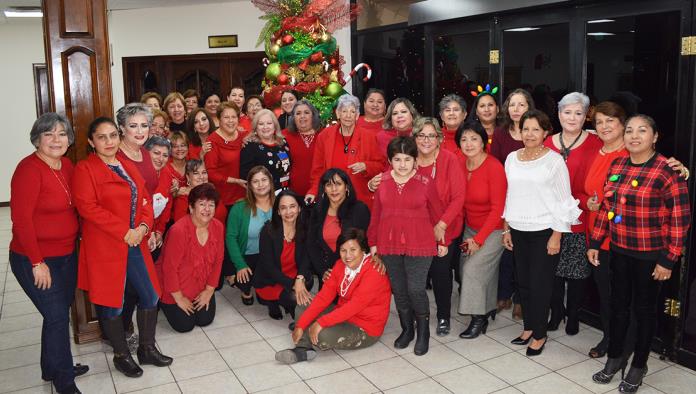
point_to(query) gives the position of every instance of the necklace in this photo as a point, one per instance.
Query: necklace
(434, 169)
(228, 140)
(565, 151)
(349, 276)
(532, 156)
(604, 151)
(136, 154)
(615, 214)
(308, 138)
(345, 144)
(63, 184)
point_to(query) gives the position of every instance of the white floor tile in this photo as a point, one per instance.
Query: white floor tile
(439, 359)
(292, 388)
(246, 354)
(327, 362)
(422, 386)
(376, 352)
(274, 375)
(514, 368)
(221, 382)
(556, 356)
(479, 349)
(199, 364)
(390, 373)
(551, 383)
(185, 344)
(581, 373)
(471, 379)
(21, 356)
(14, 339)
(20, 322)
(169, 388)
(270, 328)
(232, 335)
(96, 383)
(672, 380)
(348, 382)
(152, 377)
(20, 378)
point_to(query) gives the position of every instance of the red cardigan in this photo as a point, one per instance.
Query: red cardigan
(181, 209)
(485, 198)
(362, 148)
(302, 158)
(187, 266)
(44, 221)
(451, 187)
(222, 162)
(103, 200)
(366, 303)
(402, 223)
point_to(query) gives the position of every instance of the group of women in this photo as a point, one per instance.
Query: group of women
(173, 204)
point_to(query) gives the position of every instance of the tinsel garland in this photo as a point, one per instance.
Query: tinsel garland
(288, 54)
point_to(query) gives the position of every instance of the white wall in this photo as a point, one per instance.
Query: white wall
(21, 42)
(185, 30)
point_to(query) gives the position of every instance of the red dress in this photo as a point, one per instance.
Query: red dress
(289, 268)
(375, 127)
(44, 220)
(486, 191)
(302, 154)
(222, 162)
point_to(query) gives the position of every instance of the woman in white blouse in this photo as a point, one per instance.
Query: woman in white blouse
(538, 208)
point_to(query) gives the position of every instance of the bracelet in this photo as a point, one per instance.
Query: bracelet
(505, 232)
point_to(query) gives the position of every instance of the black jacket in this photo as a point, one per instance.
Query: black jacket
(268, 269)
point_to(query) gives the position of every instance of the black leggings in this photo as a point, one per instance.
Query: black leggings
(182, 322)
(441, 275)
(251, 260)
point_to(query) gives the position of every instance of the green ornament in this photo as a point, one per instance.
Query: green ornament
(273, 71)
(333, 89)
(614, 178)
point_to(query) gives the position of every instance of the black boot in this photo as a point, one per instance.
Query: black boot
(407, 331)
(422, 335)
(292, 356)
(70, 390)
(633, 380)
(612, 366)
(477, 326)
(147, 352)
(123, 361)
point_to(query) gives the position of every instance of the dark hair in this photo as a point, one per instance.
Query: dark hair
(204, 191)
(276, 223)
(98, 122)
(405, 145)
(540, 117)
(610, 108)
(191, 93)
(648, 119)
(372, 91)
(353, 234)
(250, 198)
(47, 122)
(191, 131)
(253, 96)
(209, 95)
(476, 127)
(472, 114)
(316, 118)
(507, 121)
(323, 201)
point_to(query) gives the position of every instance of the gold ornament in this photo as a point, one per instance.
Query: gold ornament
(333, 77)
(296, 73)
(279, 42)
(325, 37)
(274, 49)
(315, 69)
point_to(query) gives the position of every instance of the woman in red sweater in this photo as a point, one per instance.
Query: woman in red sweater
(42, 250)
(452, 113)
(486, 189)
(190, 263)
(401, 115)
(222, 161)
(403, 230)
(116, 214)
(349, 148)
(134, 121)
(375, 106)
(361, 312)
(301, 136)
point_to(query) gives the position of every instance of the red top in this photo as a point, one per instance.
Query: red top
(180, 209)
(103, 200)
(402, 222)
(362, 147)
(145, 168)
(366, 125)
(302, 156)
(384, 137)
(449, 144)
(451, 187)
(578, 162)
(194, 152)
(485, 198)
(365, 304)
(594, 184)
(503, 144)
(164, 189)
(244, 124)
(187, 266)
(44, 221)
(331, 230)
(289, 268)
(222, 162)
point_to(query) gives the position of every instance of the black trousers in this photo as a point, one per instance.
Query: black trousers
(182, 322)
(251, 260)
(602, 278)
(441, 275)
(507, 283)
(536, 270)
(632, 282)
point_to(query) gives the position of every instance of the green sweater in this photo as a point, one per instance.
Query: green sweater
(238, 233)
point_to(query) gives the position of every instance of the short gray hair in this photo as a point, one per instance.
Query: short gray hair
(348, 99)
(47, 122)
(130, 110)
(157, 140)
(452, 98)
(574, 98)
(316, 119)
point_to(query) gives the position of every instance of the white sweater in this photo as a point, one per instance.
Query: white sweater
(538, 194)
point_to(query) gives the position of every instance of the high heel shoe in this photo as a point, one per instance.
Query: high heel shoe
(633, 380)
(491, 314)
(520, 341)
(610, 369)
(477, 326)
(247, 299)
(600, 350)
(535, 352)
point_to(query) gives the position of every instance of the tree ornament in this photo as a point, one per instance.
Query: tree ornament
(325, 37)
(274, 49)
(279, 42)
(316, 57)
(283, 79)
(273, 71)
(333, 89)
(333, 62)
(288, 39)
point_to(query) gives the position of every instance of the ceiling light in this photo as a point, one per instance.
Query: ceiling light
(601, 34)
(601, 21)
(523, 29)
(23, 12)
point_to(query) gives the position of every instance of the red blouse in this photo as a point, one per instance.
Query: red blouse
(187, 266)
(222, 162)
(145, 168)
(302, 155)
(374, 127)
(289, 268)
(485, 198)
(449, 144)
(180, 209)
(384, 137)
(44, 220)
(331, 231)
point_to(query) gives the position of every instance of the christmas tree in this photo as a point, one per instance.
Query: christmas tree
(302, 54)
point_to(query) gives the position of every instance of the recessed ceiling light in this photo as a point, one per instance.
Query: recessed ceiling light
(523, 29)
(601, 21)
(600, 34)
(23, 12)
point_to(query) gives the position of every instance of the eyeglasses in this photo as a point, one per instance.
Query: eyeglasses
(425, 137)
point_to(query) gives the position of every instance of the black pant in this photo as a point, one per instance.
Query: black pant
(251, 260)
(602, 278)
(536, 270)
(632, 281)
(507, 283)
(441, 275)
(182, 322)
(573, 297)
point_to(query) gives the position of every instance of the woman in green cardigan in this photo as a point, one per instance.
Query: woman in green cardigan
(244, 224)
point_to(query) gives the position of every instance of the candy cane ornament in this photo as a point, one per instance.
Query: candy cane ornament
(265, 62)
(358, 67)
(326, 65)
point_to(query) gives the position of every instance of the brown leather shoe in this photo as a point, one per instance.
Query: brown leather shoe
(517, 312)
(504, 304)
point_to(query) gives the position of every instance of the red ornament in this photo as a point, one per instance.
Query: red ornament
(283, 79)
(288, 39)
(333, 62)
(303, 64)
(316, 57)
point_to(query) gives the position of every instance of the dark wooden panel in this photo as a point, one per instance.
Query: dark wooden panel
(81, 92)
(76, 18)
(42, 90)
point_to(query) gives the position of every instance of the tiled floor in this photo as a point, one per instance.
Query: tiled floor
(235, 355)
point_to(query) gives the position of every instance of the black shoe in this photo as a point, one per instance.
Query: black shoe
(127, 365)
(147, 352)
(70, 390)
(520, 341)
(422, 335)
(633, 380)
(477, 326)
(78, 370)
(535, 352)
(123, 361)
(274, 311)
(443, 327)
(407, 330)
(600, 350)
(247, 300)
(610, 369)
(291, 326)
(492, 314)
(292, 356)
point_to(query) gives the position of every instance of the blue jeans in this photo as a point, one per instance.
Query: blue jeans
(54, 306)
(139, 279)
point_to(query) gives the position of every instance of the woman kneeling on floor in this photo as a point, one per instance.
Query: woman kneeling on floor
(358, 319)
